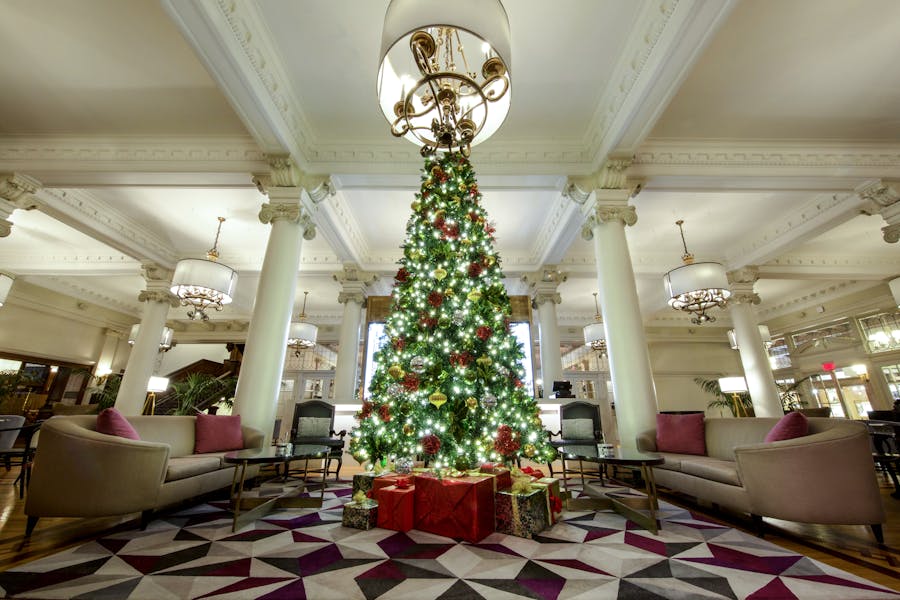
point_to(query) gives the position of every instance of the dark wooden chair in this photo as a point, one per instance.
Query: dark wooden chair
(579, 426)
(313, 423)
(13, 429)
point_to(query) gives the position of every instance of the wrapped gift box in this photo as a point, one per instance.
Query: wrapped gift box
(457, 507)
(360, 515)
(397, 507)
(362, 482)
(553, 496)
(521, 514)
(389, 479)
(501, 473)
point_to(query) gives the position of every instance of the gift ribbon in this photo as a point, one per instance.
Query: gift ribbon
(544, 484)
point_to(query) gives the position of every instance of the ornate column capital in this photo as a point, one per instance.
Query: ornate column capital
(284, 173)
(352, 273)
(16, 192)
(744, 275)
(156, 274)
(356, 296)
(543, 284)
(883, 197)
(280, 211)
(742, 291)
(161, 296)
(608, 212)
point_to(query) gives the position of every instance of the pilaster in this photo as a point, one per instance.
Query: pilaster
(543, 286)
(354, 287)
(16, 192)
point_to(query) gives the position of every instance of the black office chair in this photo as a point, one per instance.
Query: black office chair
(12, 427)
(579, 426)
(313, 423)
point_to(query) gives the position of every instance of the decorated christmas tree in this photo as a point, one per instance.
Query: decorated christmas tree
(447, 385)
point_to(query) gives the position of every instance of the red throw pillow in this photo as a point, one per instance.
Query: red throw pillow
(683, 434)
(790, 426)
(111, 422)
(217, 433)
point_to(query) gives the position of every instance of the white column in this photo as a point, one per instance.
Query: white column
(757, 368)
(16, 193)
(354, 284)
(256, 398)
(107, 353)
(629, 360)
(544, 284)
(142, 360)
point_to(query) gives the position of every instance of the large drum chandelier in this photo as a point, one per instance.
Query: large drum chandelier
(443, 80)
(204, 284)
(302, 334)
(594, 333)
(696, 287)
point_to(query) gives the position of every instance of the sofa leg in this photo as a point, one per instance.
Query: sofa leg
(759, 526)
(878, 531)
(146, 517)
(30, 525)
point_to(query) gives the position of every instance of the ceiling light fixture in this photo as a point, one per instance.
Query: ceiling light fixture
(6, 282)
(165, 341)
(302, 335)
(696, 287)
(594, 334)
(430, 86)
(895, 289)
(204, 284)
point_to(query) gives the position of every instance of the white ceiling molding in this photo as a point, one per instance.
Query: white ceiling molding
(862, 268)
(68, 288)
(815, 298)
(80, 305)
(62, 265)
(81, 211)
(339, 227)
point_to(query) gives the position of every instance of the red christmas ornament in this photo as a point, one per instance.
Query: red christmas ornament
(483, 333)
(439, 222)
(451, 230)
(384, 411)
(460, 359)
(475, 269)
(518, 383)
(489, 229)
(506, 442)
(427, 322)
(402, 275)
(435, 299)
(399, 343)
(473, 216)
(431, 444)
(366, 411)
(411, 382)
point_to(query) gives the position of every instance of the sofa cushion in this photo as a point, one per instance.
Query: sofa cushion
(790, 426)
(111, 422)
(577, 429)
(313, 427)
(673, 461)
(216, 433)
(190, 466)
(713, 469)
(682, 434)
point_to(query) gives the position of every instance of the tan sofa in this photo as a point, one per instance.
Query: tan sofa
(79, 472)
(826, 477)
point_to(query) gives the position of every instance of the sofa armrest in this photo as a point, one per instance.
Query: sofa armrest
(646, 441)
(253, 438)
(826, 478)
(79, 472)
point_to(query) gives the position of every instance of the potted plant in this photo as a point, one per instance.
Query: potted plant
(723, 400)
(198, 388)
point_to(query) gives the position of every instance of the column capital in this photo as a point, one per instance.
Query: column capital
(280, 211)
(352, 273)
(744, 275)
(608, 212)
(283, 172)
(156, 275)
(16, 192)
(160, 296)
(883, 197)
(742, 292)
(543, 284)
(355, 296)
(612, 175)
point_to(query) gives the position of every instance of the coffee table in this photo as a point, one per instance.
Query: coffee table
(598, 498)
(246, 510)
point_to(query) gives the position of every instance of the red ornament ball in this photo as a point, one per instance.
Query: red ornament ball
(475, 269)
(431, 444)
(384, 411)
(435, 299)
(411, 382)
(402, 275)
(483, 333)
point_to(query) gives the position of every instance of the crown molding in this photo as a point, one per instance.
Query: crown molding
(78, 303)
(815, 266)
(812, 298)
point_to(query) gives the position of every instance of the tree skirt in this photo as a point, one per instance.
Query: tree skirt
(308, 554)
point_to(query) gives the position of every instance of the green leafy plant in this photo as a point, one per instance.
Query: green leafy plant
(197, 388)
(723, 400)
(105, 397)
(789, 393)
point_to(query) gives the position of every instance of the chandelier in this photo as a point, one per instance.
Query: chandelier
(165, 341)
(5, 284)
(302, 334)
(430, 86)
(594, 334)
(204, 283)
(696, 287)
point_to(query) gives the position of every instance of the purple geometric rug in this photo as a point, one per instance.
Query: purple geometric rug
(295, 554)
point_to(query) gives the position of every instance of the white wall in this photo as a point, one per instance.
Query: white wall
(184, 354)
(676, 364)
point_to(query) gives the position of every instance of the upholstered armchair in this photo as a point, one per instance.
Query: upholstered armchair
(579, 426)
(313, 423)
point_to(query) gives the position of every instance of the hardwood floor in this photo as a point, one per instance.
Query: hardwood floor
(851, 548)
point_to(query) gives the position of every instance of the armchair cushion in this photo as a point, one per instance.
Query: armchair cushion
(790, 426)
(215, 433)
(681, 434)
(313, 427)
(577, 429)
(111, 422)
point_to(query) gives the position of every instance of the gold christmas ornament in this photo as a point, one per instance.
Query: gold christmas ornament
(416, 206)
(408, 429)
(438, 399)
(440, 273)
(484, 361)
(429, 182)
(396, 371)
(537, 421)
(474, 296)
(449, 292)
(529, 450)
(471, 403)
(462, 187)
(490, 260)
(465, 242)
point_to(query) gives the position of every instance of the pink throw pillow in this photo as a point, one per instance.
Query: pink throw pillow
(217, 433)
(790, 426)
(111, 422)
(683, 434)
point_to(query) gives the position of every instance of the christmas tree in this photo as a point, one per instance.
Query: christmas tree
(447, 385)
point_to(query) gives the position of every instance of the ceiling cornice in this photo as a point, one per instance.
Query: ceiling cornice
(815, 297)
(816, 266)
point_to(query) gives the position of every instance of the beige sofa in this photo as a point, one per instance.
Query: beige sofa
(79, 472)
(826, 477)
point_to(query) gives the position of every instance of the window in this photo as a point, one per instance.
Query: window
(881, 332)
(833, 335)
(779, 355)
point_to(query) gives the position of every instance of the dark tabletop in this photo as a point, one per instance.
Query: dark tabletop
(273, 454)
(620, 456)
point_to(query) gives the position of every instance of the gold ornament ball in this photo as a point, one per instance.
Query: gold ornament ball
(408, 429)
(438, 399)
(449, 292)
(490, 260)
(462, 187)
(529, 450)
(416, 206)
(429, 182)
(471, 403)
(440, 273)
(474, 296)
(395, 371)
(537, 421)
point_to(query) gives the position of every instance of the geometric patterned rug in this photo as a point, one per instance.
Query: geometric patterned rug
(307, 553)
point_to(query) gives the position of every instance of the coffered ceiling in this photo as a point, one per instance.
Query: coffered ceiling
(754, 121)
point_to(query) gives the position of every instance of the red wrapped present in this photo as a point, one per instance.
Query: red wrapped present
(383, 481)
(395, 507)
(457, 507)
(553, 497)
(501, 473)
(536, 473)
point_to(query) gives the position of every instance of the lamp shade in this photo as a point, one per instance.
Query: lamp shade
(165, 340)
(5, 284)
(483, 33)
(203, 284)
(157, 384)
(732, 385)
(695, 277)
(302, 335)
(893, 283)
(594, 332)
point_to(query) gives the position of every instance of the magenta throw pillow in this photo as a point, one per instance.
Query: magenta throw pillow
(790, 426)
(111, 422)
(215, 433)
(682, 434)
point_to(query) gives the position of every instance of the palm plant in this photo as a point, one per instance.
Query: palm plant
(723, 400)
(198, 388)
(791, 399)
(106, 396)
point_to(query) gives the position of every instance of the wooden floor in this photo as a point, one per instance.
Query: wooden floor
(851, 548)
